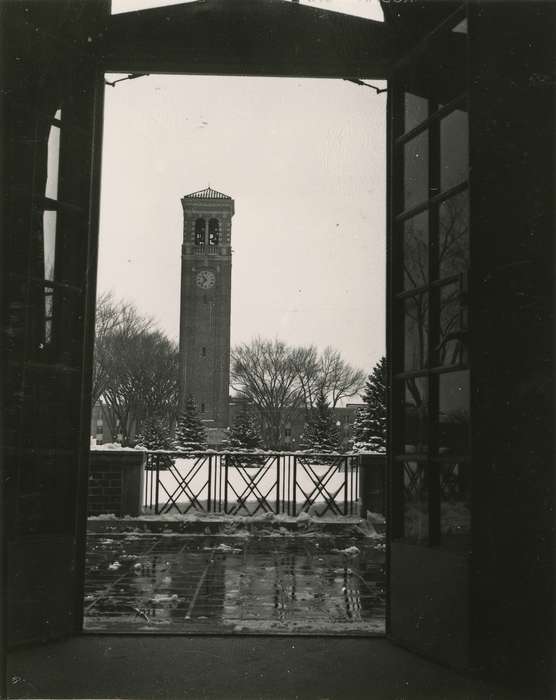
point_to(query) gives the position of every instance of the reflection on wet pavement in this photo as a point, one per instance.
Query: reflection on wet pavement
(197, 584)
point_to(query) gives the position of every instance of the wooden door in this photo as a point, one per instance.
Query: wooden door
(428, 347)
(54, 112)
(53, 117)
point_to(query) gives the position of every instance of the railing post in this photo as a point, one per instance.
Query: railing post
(349, 465)
(345, 487)
(209, 483)
(278, 484)
(293, 494)
(157, 484)
(226, 485)
(149, 483)
(357, 463)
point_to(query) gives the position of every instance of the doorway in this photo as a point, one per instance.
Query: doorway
(305, 172)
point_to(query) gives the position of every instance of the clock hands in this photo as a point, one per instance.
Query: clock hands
(206, 279)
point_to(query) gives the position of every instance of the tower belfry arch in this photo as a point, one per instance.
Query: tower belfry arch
(205, 303)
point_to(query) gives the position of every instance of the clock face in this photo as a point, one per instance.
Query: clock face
(205, 279)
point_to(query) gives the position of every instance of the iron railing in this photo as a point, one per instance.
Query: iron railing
(235, 483)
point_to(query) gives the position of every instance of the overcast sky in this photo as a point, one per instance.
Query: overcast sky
(304, 161)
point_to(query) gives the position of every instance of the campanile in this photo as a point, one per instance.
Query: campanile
(206, 284)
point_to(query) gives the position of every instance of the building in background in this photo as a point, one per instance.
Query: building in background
(291, 435)
(102, 418)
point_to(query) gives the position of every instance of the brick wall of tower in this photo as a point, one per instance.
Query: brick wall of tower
(205, 313)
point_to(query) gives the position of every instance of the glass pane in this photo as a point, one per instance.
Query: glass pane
(453, 243)
(454, 149)
(461, 28)
(51, 189)
(49, 242)
(415, 419)
(452, 346)
(416, 502)
(416, 321)
(416, 170)
(48, 310)
(455, 501)
(453, 413)
(416, 251)
(416, 110)
(71, 253)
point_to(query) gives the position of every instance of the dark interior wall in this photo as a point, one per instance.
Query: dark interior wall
(512, 137)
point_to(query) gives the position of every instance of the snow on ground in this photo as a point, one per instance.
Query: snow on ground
(110, 446)
(223, 548)
(301, 627)
(348, 551)
(303, 526)
(175, 525)
(195, 517)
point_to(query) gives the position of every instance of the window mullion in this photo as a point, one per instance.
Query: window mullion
(433, 483)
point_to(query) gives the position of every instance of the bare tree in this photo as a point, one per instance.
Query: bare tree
(278, 379)
(307, 366)
(328, 374)
(112, 316)
(136, 369)
(338, 379)
(265, 373)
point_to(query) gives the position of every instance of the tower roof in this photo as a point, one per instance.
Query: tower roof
(207, 193)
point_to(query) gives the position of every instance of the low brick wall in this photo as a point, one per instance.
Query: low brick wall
(372, 483)
(115, 482)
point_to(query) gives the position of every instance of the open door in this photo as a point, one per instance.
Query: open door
(429, 451)
(53, 118)
(59, 53)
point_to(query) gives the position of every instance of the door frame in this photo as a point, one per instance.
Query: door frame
(88, 347)
(110, 61)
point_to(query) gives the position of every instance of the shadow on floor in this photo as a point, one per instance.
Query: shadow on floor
(241, 668)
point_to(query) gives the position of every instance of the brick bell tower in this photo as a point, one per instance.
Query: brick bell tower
(206, 285)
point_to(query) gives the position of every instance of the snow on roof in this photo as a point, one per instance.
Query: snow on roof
(207, 193)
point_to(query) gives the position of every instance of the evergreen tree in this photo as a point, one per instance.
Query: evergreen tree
(190, 432)
(369, 428)
(321, 432)
(154, 434)
(244, 433)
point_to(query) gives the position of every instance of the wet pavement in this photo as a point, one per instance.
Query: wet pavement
(174, 583)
